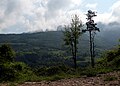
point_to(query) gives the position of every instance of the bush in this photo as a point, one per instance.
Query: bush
(56, 77)
(110, 59)
(89, 72)
(16, 71)
(11, 70)
(110, 78)
(53, 70)
(103, 70)
(8, 73)
(110, 55)
(115, 62)
(44, 71)
(7, 54)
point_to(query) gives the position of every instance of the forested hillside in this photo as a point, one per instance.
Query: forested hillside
(46, 48)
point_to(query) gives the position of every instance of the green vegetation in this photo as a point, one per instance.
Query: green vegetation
(11, 70)
(46, 48)
(71, 37)
(6, 54)
(110, 59)
(110, 78)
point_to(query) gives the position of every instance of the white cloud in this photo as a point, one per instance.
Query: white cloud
(103, 17)
(112, 16)
(34, 15)
(91, 6)
(116, 11)
(77, 2)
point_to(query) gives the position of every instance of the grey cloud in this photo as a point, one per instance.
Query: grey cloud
(110, 26)
(32, 14)
(17, 28)
(116, 11)
(110, 32)
(3, 4)
(11, 6)
(12, 17)
(38, 14)
(55, 6)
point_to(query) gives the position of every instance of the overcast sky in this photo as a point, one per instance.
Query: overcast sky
(18, 16)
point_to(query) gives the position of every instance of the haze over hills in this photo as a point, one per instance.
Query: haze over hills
(110, 32)
(41, 48)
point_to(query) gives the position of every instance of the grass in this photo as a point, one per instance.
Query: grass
(110, 78)
(91, 72)
(58, 77)
(12, 84)
(57, 73)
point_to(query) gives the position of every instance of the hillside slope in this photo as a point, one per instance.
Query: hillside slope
(45, 48)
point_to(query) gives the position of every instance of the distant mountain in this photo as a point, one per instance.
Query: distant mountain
(110, 32)
(54, 40)
(46, 48)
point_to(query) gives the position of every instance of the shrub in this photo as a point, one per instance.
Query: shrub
(89, 72)
(103, 70)
(16, 71)
(48, 71)
(56, 77)
(8, 73)
(7, 54)
(44, 71)
(110, 78)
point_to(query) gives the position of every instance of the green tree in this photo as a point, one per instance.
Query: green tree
(119, 44)
(7, 54)
(71, 36)
(10, 70)
(110, 58)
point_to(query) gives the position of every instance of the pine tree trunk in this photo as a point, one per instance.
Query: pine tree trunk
(75, 64)
(73, 54)
(91, 51)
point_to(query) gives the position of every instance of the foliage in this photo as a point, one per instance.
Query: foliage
(16, 71)
(89, 72)
(54, 70)
(41, 44)
(110, 61)
(56, 77)
(111, 58)
(35, 60)
(110, 78)
(71, 36)
(48, 71)
(11, 70)
(6, 53)
(20, 72)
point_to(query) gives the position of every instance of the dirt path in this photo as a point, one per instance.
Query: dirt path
(110, 79)
(75, 82)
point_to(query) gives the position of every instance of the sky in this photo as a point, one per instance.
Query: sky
(21, 16)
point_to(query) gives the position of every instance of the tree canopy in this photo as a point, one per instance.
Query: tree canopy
(71, 36)
(7, 54)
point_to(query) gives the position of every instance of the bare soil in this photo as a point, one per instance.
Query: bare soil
(109, 79)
